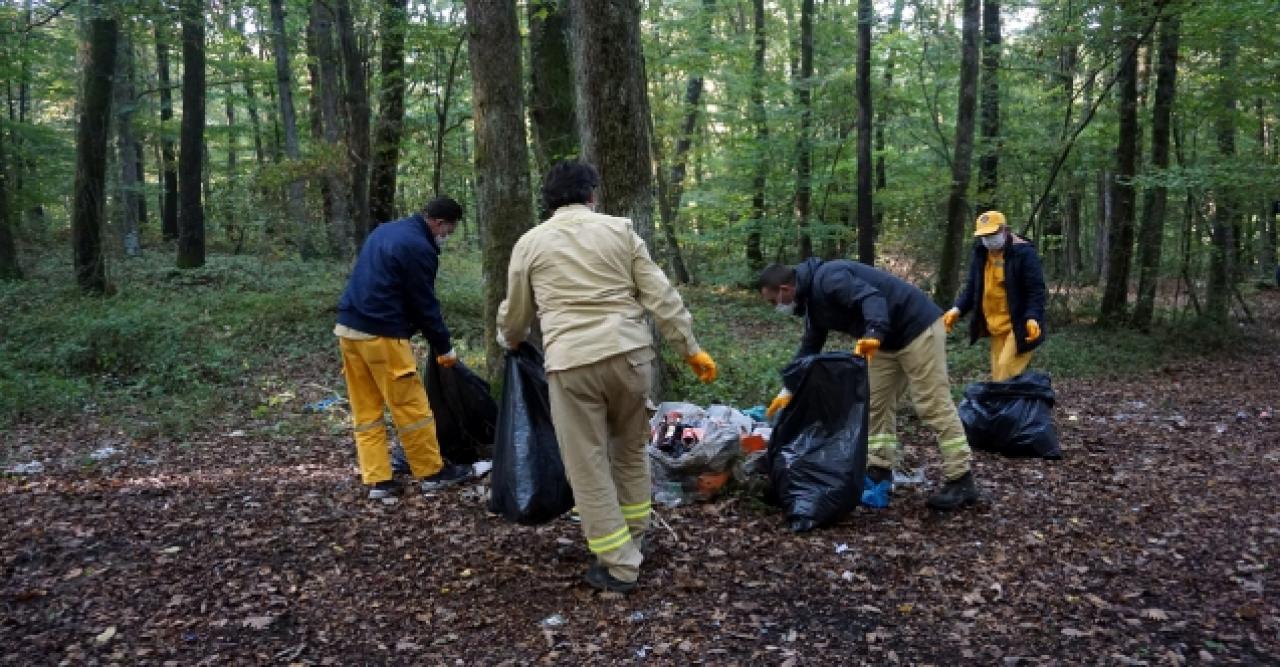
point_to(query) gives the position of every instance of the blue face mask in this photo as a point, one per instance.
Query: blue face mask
(993, 241)
(786, 308)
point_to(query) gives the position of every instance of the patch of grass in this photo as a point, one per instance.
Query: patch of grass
(170, 348)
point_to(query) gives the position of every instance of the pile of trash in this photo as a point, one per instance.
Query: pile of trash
(694, 451)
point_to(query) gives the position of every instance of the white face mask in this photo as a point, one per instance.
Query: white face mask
(440, 239)
(993, 241)
(786, 308)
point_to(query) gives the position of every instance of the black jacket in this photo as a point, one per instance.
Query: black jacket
(861, 301)
(1023, 283)
(392, 290)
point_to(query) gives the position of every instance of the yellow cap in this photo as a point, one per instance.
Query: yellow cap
(989, 223)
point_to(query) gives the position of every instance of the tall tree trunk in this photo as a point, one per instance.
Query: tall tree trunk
(503, 197)
(882, 119)
(322, 43)
(551, 102)
(958, 213)
(289, 121)
(866, 223)
(1070, 191)
(191, 149)
(168, 157)
(230, 210)
(988, 164)
(804, 150)
(358, 120)
(759, 119)
(251, 94)
(1151, 234)
(390, 126)
(97, 64)
(1222, 258)
(9, 268)
(127, 147)
(1115, 294)
(613, 113)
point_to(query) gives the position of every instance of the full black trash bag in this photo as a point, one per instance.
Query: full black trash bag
(1013, 417)
(818, 452)
(528, 481)
(465, 412)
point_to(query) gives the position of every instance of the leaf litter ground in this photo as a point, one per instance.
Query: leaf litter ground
(1155, 541)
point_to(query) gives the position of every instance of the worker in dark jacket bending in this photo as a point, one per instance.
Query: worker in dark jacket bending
(391, 295)
(899, 331)
(1005, 291)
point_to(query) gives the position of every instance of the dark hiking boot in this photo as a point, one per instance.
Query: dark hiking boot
(955, 494)
(385, 491)
(449, 475)
(599, 578)
(876, 487)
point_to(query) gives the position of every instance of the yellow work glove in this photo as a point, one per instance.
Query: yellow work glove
(448, 359)
(703, 366)
(782, 400)
(949, 318)
(867, 347)
(1033, 330)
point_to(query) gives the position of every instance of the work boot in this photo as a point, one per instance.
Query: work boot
(955, 494)
(599, 578)
(876, 487)
(449, 475)
(385, 490)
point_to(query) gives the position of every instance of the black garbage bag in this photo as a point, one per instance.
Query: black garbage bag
(1013, 417)
(466, 414)
(818, 452)
(528, 480)
(399, 462)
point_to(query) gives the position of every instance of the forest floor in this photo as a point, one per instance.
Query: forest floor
(1154, 541)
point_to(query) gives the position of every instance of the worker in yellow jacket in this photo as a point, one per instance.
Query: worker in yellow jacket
(1006, 290)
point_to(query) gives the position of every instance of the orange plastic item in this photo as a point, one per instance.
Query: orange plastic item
(711, 482)
(753, 442)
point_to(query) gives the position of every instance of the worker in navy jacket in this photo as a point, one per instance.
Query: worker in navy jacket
(391, 295)
(899, 332)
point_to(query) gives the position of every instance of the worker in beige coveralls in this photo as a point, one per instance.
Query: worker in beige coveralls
(589, 280)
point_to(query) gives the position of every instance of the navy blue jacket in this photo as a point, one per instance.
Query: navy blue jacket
(1024, 285)
(861, 301)
(392, 290)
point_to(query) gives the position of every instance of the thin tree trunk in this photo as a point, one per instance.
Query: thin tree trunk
(804, 150)
(1151, 234)
(958, 213)
(503, 198)
(251, 95)
(1106, 214)
(358, 120)
(671, 190)
(322, 41)
(442, 118)
(551, 101)
(130, 197)
(1267, 218)
(191, 155)
(759, 119)
(866, 222)
(97, 64)
(390, 126)
(289, 121)
(1222, 258)
(1115, 294)
(988, 164)
(882, 119)
(168, 157)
